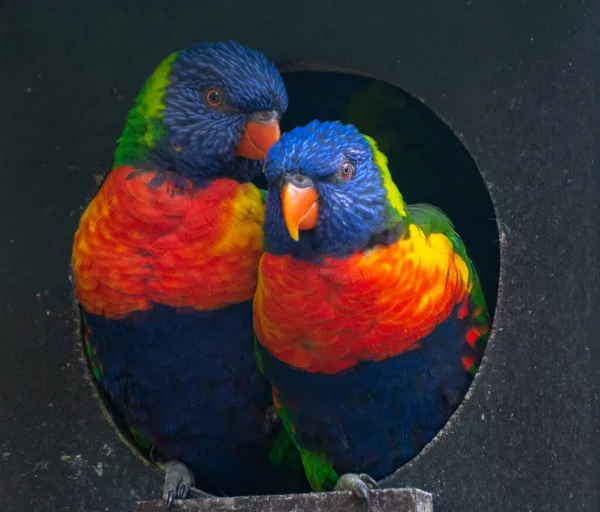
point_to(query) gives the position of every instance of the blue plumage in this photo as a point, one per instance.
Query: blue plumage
(247, 82)
(185, 379)
(371, 344)
(190, 389)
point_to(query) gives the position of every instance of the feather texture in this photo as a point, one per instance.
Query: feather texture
(375, 304)
(146, 239)
(369, 350)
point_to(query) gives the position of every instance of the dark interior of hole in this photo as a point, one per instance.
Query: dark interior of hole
(427, 161)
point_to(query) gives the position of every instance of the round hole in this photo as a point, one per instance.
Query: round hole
(427, 161)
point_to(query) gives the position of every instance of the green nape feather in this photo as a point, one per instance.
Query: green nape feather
(144, 123)
(394, 196)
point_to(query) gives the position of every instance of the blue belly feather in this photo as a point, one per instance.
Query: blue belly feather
(187, 381)
(376, 416)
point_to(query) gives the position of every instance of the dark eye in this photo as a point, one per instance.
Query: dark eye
(346, 170)
(213, 98)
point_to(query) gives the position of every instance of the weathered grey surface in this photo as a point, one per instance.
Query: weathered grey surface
(388, 500)
(517, 79)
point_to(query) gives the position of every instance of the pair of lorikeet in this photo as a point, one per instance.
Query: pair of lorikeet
(322, 339)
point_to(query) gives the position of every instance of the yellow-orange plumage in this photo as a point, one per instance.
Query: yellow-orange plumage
(367, 307)
(143, 241)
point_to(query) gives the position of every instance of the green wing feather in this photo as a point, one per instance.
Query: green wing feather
(285, 449)
(320, 473)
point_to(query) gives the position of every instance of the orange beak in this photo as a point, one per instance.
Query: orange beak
(260, 133)
(300, 208)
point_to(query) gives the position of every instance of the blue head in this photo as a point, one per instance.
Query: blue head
(208, 111)
(330, 193)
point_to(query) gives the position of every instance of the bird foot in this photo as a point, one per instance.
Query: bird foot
(178, 482)
(359, 484)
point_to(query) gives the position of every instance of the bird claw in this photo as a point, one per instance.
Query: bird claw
(178, 482)
(358, 484)
(170, 500)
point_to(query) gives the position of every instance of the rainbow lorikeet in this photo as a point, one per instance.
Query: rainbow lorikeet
(165, 263)
(369, 315)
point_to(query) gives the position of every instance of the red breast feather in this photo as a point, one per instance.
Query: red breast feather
(145, 239)
(367, 307)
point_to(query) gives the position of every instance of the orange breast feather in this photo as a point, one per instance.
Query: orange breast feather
(142, 242)
(373, 305)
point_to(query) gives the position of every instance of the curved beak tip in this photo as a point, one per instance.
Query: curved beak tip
(294, 232)
(300, 208)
